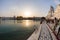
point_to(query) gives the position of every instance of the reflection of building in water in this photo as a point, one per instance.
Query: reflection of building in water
(19, 21)
(52, 13)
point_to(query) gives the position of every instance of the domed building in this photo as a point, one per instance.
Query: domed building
(57, 12)
(54, 13)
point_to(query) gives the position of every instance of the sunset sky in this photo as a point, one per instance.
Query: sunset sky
(26, 8)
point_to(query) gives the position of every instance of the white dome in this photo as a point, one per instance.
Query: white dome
(57, 12)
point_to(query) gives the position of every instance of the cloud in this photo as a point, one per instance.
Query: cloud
(57, 1)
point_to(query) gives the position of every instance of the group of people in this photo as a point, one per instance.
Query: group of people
(55, 21)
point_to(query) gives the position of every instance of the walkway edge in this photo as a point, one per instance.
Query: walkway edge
(35, 35)
(52, 33)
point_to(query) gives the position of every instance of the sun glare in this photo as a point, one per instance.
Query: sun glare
(27, 13)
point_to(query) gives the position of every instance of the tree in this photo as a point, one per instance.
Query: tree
(19, 17)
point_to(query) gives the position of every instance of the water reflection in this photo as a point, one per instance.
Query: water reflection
(11, 29)
(27, 23)
(19, 21)
(0, 21)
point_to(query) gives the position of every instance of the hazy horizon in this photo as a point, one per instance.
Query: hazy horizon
(26, 8)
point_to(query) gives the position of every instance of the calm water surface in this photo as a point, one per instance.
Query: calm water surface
(17, 29)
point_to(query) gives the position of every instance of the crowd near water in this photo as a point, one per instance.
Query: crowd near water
(54, 25)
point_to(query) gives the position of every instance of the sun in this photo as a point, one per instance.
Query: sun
(27, 13)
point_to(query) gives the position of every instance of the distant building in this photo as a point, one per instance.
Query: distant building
(0, 18)
(14, 17)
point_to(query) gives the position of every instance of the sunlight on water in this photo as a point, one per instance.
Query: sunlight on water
(27, 23)
(11, 29)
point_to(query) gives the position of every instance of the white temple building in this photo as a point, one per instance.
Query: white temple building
(55, 14)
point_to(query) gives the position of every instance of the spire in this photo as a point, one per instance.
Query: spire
(51, 10)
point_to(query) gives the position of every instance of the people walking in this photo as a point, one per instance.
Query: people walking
(58, 31)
